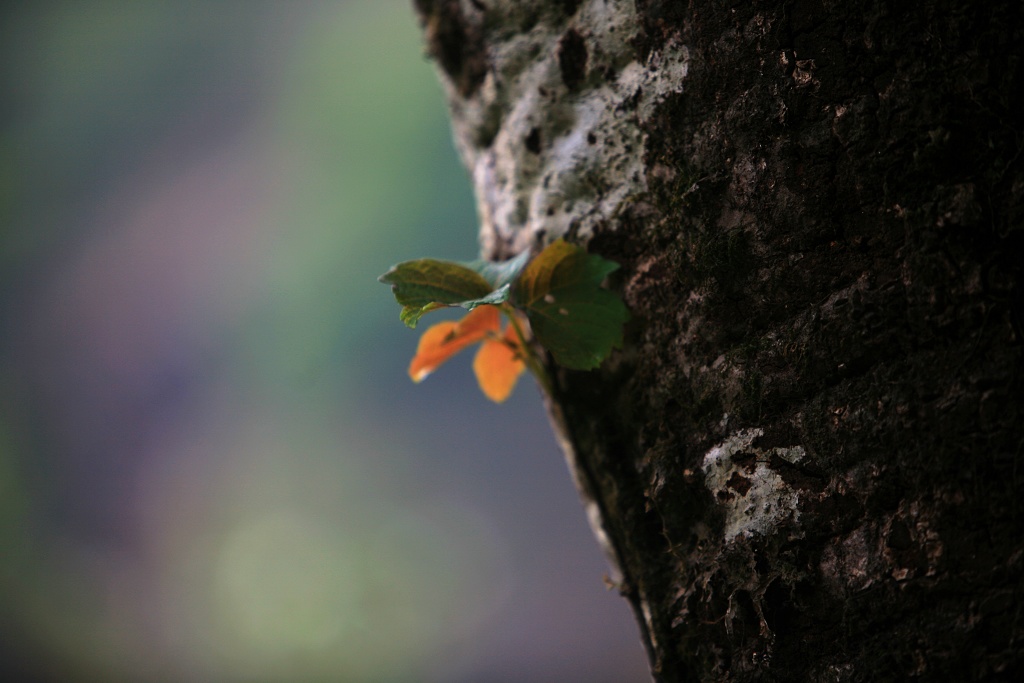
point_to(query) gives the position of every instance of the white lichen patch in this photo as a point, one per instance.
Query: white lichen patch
(544, 154)
(754, 497)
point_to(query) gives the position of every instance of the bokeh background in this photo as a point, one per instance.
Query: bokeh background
(213, 466)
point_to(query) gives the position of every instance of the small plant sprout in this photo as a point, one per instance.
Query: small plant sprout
(554, 301)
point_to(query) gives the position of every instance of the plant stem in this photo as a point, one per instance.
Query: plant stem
(530, 357)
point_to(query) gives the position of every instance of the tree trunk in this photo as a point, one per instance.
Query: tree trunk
(805, 461)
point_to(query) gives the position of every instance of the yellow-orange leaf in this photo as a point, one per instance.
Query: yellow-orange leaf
(498, 365)
(443, 340)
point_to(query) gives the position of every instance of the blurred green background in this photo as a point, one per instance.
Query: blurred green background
(213, 466)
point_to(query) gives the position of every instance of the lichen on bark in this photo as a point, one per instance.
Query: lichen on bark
(551, 132)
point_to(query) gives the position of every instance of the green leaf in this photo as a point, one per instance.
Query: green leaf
(576, 320)
(497, 297)
(501, 273)
(423, 285)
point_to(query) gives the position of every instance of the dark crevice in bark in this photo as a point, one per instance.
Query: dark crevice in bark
(455, 41)
(572, 59)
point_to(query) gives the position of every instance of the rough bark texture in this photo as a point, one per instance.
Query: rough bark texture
(806, 460)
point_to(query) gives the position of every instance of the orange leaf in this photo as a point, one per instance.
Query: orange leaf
(443, 340)
(498, 365)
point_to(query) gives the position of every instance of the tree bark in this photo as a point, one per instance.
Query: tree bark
(805, 462)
